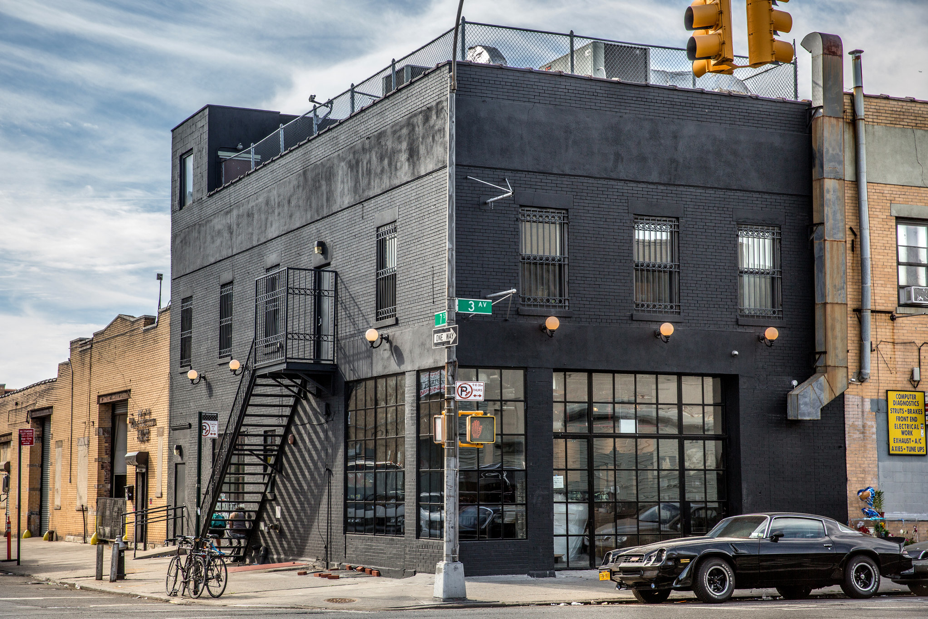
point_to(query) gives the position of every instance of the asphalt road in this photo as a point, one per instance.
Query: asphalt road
(24, 598)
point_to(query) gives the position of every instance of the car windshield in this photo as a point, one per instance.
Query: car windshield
(744, 527)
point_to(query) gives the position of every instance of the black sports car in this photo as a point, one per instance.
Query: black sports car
(794, 553)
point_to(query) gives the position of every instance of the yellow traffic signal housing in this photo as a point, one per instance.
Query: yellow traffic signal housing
(711, 47)
(481, 429)
(764, 24)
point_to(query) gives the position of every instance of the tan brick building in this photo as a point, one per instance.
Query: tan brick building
(109, 399)
(897, 189)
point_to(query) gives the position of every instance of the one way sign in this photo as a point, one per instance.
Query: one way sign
(442, 337)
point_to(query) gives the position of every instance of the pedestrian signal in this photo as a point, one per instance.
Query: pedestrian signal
(481, 429)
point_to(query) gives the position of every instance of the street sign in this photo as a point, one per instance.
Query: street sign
(468, 391)
(442, 337)
(475, 306)
(26, 437)
(210, 429)
(441, 319)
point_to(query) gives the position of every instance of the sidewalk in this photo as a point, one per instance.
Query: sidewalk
(73, 564)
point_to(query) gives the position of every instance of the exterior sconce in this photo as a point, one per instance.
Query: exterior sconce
(550, 326)
(769, 336)
(195, 377)
(664, 332)
(178, 451)
(319, 248)
(235, 366)
(375, 338)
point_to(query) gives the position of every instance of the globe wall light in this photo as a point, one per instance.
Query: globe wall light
(235, 366)
(770, 335)
(195, 377)
(664, 332)
(375, 338)
(550, 326)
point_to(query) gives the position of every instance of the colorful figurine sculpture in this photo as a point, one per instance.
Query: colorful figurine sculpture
(867, 495)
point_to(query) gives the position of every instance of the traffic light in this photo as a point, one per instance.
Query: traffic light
(711, 47)
(764, 24)
(481, 429)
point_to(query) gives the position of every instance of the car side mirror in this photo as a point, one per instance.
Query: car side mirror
(775, 536)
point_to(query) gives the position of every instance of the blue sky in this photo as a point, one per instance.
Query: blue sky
(89, 92)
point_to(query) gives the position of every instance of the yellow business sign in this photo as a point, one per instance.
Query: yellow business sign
(906, 423)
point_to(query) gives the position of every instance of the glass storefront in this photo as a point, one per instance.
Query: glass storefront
(637, 458)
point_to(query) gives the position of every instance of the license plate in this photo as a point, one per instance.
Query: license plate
(604, 575)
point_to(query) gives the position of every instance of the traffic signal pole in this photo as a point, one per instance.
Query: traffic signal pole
(449, 573)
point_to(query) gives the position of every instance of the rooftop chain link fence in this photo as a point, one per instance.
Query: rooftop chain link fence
(518, 47)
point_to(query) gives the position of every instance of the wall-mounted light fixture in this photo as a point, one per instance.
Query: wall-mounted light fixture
(664, 332)
(375, 338)
(770, 335)
(319, 248)
(235, 366)
(195, 377)
(178, 451)
(550, 326)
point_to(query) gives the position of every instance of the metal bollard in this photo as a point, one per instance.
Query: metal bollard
(118, 561)
(99, 571)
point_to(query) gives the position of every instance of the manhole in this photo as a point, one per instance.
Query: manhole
(340, 600)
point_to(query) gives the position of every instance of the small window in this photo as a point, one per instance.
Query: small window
(186, 330)
(912, 255)
(543, 276)
(186, 180)
(225, 320)
(657, 265)
(798, 528)
(759, 272)
(386, 271)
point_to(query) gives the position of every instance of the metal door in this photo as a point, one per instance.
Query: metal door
(46, 474)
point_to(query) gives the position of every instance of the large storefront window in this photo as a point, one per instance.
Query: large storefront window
(637, 458)
(492, 479)
(376, 456)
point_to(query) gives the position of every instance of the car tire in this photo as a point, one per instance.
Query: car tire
(794, 592)
(715, 581)
(861, 578)
(651, 596)
(919, 590)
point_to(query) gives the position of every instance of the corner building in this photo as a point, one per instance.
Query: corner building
(633, 205)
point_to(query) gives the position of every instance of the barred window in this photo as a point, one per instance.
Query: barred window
(186, 180)
(657, 265)
(544, 258)
(912, 257)
(376, 456)
(386, 271)
(759, 273)
(225, 320)
(186, 330)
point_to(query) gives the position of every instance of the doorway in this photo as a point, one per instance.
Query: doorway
(180, 495)
(118, 452)
(46, 426)
(637, 458)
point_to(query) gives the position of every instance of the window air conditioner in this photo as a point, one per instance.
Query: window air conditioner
(917, 295)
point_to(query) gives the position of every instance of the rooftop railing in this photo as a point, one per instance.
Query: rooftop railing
(524, 48)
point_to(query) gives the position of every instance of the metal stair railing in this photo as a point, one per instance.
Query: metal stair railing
(230, 436)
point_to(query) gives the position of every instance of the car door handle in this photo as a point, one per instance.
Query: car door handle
(827, 545)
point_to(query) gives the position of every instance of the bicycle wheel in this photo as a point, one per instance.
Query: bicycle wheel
(197, 577)
(170, 582)
(217, 576)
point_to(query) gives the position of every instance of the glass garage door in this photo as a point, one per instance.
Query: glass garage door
(637, 458)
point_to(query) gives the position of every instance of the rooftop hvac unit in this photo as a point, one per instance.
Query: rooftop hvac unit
(916, 295)
(485, 54)
(628, 63)
(404, 74)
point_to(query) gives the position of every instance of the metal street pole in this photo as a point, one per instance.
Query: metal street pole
(196, 531)
(449, 573)
(19, 501)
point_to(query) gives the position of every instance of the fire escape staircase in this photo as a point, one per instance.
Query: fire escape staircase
(291, 358)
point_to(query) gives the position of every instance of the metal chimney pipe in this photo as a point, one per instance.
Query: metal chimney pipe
(861, 155)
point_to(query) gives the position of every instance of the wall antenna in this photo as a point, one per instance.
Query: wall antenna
(507, 189)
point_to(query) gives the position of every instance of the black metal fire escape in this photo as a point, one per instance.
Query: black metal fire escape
(292, 356)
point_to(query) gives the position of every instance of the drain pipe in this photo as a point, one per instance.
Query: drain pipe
(861, 154)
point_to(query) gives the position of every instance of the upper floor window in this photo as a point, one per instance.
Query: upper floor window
(186, 180)
(912, 248)
(186, 330)
(225, 319)
(759, 272)
(543, 274)
(386, 271)
(657, 265)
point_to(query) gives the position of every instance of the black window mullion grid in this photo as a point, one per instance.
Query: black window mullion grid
(225, 320)
(186, 330)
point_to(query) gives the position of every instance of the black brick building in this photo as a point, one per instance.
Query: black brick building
(608, 436)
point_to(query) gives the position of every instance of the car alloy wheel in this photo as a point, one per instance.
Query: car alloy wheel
(861, 578)
(715, 581)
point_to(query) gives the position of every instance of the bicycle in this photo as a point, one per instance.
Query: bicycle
(191, 571)
(217, 575)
